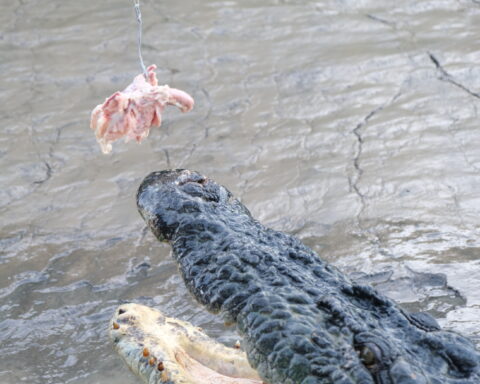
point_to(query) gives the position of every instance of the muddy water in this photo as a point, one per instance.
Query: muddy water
(351, 124)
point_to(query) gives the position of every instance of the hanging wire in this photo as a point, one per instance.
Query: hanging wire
(139, 42)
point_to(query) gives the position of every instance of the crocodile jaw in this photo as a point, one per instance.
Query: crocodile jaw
(166, 350)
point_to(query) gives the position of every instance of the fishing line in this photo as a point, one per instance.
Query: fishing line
(136, 4)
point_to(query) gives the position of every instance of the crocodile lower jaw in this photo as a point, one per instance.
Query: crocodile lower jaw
(166, 350)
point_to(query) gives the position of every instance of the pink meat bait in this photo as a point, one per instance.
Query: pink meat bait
(132, 112)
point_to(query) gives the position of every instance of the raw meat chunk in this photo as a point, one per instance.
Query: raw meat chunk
(132, 112)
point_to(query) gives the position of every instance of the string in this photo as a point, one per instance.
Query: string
(139, 42)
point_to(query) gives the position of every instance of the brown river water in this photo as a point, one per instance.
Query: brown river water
(352, 124)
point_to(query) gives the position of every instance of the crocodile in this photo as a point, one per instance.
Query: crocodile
(301, 320)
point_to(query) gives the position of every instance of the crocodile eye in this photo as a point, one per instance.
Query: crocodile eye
(370, 355)
(367, 356)
(376, 355)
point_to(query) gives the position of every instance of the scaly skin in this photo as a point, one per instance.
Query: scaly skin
(302, 321)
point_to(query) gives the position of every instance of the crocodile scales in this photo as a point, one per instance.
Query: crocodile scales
(301, 320)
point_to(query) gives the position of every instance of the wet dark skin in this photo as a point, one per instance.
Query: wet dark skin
(301, 320)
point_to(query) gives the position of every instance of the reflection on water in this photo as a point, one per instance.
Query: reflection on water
(359, 120)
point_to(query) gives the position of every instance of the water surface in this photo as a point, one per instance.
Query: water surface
(350, 124)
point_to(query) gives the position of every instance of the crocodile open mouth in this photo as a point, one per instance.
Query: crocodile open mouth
(167, 350)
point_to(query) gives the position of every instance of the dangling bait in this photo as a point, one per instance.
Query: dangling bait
(132, 112)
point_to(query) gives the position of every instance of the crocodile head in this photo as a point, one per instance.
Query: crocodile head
(301, 320)
(180, 201)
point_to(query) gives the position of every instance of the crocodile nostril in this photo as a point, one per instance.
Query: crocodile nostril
(201, 181)
(187, 177)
